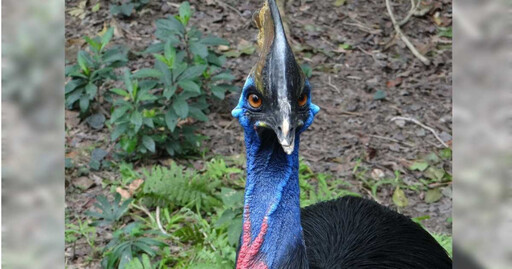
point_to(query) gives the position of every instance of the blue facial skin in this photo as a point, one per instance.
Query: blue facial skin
(272, 188)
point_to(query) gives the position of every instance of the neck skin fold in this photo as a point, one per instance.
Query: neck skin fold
(271, 223)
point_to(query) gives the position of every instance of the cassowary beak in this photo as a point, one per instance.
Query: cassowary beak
(284, 129)
(286, 135)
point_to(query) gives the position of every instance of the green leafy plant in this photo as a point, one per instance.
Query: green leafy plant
(215, 249)
(134, 118)
(326, 188)
(129, 243)
(159, 105)
(444, 32)
(81, 230)
(126, 7)
(372, 184)
(109, 212)
(140, 263)
(97, 158)
(127, 174)
(91, 70)
(231, 216)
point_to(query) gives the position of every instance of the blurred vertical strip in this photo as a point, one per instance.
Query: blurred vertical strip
(33, 134)
(482, 160)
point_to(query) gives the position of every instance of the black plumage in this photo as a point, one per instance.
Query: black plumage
(352, 232)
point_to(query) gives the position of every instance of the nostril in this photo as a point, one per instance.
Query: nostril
(279, 128)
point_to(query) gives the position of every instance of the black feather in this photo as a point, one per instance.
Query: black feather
(352, 232)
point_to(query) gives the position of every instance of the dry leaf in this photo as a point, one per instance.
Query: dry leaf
(124, 193)
(78, 11)
(72, 154)
(104, 29)
(75, 42)
(83, 183)
(394, 82)
(223, 48)
(117, 28)
(135, 185)
(377, 174)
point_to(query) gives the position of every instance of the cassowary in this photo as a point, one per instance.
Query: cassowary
(274, 109)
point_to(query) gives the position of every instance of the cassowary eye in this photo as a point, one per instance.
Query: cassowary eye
(254, 101)
(303, 99)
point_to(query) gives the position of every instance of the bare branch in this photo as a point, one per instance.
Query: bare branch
(423, 126)
(414, 6)
(332, 85)
(404, 38)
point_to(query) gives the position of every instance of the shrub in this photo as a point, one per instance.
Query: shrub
(91, 70)
(159, 105)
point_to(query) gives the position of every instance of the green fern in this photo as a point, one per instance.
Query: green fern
(179, 187)
(217, 169)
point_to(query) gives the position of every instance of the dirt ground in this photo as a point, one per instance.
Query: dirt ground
(355, 57)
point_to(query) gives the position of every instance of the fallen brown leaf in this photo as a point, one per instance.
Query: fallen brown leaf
(135, 185)
(124, 193)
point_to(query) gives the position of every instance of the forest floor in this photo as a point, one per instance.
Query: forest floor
(363, 76)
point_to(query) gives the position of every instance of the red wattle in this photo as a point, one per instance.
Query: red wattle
(248, 254)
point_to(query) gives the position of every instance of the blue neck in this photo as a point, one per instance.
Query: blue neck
(272, 200)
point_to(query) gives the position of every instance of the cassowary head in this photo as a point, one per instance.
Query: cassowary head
(277, 94)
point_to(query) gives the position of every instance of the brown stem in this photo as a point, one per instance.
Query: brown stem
(185, 40)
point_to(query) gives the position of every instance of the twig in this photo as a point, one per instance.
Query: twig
(423, 126)
(439, 184)
(158, 221)
(441, 40)
(390, 43)
(414, 6)
(404, 38)
(230, 7)
(351, 113)
(392, 140)
(434, 144)
(332, 85)
(363, 27)
(371, 54)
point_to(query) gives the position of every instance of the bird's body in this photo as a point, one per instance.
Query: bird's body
(274, 109)
(353, 232)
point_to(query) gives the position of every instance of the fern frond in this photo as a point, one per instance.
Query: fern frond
(180, 187)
